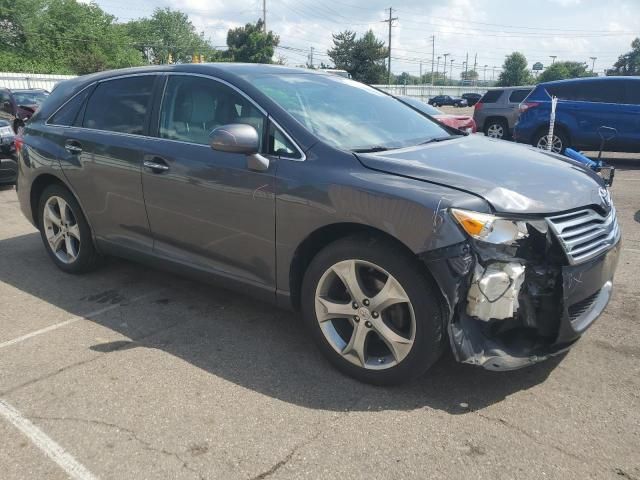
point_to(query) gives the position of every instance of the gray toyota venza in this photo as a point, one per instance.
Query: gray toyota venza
(394, 236)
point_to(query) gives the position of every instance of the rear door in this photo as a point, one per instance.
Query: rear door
(630, 113)
(102, 155)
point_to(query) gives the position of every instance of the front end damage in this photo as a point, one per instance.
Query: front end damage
(511, 305)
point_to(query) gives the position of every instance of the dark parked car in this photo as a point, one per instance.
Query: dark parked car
(17, 106)
(471, 98)
(442, 100)
(8, 165)
(497, 111)
(584, 105)
(395, 238)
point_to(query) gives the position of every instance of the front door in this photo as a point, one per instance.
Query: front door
(206, 209)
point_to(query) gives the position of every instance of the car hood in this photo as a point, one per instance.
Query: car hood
(512, 178)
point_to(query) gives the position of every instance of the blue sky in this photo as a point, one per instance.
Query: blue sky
(569, 29)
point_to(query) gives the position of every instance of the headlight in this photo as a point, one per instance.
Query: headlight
(490, 228)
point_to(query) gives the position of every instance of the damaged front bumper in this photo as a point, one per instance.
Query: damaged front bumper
(509, 308)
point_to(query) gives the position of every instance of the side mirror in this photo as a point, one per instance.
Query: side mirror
(235, 138)
(6, 106)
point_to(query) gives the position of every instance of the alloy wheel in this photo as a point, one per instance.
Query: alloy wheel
(61, 229)
(556, 146)
(365, 314)
(495, 130)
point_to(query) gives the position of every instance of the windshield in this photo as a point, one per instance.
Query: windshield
(29, 98)
(420, 105)
(348, 114)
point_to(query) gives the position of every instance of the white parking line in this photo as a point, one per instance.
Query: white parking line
(71, 320)
(41, 440)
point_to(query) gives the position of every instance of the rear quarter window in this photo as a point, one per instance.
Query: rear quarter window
(518, 96)
(67, 115)
(492, 96)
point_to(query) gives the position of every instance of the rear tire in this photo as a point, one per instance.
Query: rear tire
(560, 141)
(402, 336)
(496, 128)
(65, 232)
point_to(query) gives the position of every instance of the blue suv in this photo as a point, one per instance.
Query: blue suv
(584, 105)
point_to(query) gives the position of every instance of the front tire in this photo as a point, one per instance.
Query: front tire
(65, 232)
(372, 311)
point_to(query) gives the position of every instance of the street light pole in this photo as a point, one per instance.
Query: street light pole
(451, 73)
(433, 55)
(553, 58)
(438, 66)
(445, 55)
(593, 64)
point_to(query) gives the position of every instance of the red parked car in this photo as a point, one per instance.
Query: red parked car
(461, 122)
(17, 106)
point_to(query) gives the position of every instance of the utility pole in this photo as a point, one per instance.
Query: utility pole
(311, 58)
(445, 67)
(466, 66)
(553, 58)
(593, 64)
(485, 74)
(390, 22)
(493, 74)
(264, 16)
(475, 69)
(451, 73)
(433, 55)
(420, 72)
(438, 66)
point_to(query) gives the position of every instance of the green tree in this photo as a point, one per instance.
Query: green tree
(469, 75)
(564, 70)
(168, 32)
(364, 58)
(515, 71)
(629, 63)
(61, 36)
(251, 44)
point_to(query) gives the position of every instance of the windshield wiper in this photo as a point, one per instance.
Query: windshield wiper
(376, 148)
(440, 139)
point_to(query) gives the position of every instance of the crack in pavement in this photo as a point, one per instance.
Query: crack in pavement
(287, 458)
(529, 435)
(132, 435)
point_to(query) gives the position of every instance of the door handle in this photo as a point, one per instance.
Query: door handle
(73, 147)
(156, 165)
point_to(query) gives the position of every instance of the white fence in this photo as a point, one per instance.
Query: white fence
(31, 80)
(426, 91)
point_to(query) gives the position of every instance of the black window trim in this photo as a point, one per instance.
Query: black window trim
(268, 118)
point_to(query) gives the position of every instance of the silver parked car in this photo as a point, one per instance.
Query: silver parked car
(497, 111)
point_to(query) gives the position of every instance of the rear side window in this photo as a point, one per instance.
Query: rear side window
(67, 115)
(518, 96)
(120, 105)
(633, 92)
(491, 96)
(593, 91)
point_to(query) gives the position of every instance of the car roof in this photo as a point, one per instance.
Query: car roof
(592, 79)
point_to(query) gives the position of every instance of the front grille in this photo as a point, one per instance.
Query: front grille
(586, 233)
(578, 308)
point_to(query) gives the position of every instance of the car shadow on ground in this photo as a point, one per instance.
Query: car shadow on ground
(249, 343)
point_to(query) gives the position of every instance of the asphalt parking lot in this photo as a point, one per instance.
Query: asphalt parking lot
(135, 373)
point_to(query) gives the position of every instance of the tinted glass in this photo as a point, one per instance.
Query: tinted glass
(29, 97)
(66, 116)
(120, 105)
(491, 96)
(589, 91)
(633, 92)
(4, 97)
(518, 96)
(194, 106)
(347, 114)
(280, 145)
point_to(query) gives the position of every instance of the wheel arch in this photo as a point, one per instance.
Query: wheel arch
(38, 186)
(325, 235)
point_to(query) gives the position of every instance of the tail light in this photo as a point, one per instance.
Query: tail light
(527, 105)
(478, 106)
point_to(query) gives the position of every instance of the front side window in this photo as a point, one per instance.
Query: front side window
(348, 114)
(194, 106)
(120, 105)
